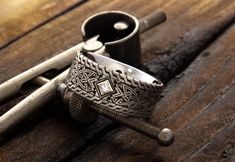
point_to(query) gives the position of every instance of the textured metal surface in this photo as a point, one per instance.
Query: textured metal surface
(206, 135)
(151, 20)
(123, 94)
(79, 109)
(87, 112)
(164, 136)
(198, 105)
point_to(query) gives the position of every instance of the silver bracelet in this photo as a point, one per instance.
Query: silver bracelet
(113, 85)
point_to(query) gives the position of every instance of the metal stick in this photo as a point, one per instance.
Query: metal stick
(64, 59)
(40, 81)
(164, 137)
(31, 104)
(151, 20)
(61, 60)
(47, 92)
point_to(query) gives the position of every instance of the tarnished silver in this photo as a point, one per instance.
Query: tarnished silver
(59, 61)
(165, 137)
(65, 58)
(93, 44)
(86, 113)
(80, 108)
(152, 20)
(114, 85)
(31, 104)
(123, 39)
(121, 43)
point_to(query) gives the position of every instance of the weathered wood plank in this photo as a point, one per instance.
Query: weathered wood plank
(61, 34)
(198, 106)
(193, 31)
(219, 148)
(20, 17)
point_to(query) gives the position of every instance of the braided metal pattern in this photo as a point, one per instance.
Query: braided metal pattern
(111, 89)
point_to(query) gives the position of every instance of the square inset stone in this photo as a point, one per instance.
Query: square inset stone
(105, 87)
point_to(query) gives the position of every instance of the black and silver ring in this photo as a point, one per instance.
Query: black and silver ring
(113, 85)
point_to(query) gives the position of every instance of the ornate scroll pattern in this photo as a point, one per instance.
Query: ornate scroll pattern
(111, 89)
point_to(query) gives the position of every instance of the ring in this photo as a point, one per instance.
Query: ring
(113, 85)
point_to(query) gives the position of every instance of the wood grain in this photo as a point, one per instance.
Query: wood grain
(191, 27)
(19, 17)
(198, 106)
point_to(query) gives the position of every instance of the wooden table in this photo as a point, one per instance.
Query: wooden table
(193, 52)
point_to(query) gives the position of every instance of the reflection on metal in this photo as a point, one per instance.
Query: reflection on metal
(132, 94)
(121, 26)
(115, 83)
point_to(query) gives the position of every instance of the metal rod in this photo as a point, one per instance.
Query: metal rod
(13, 85)
(164, 137)
(40, 81)
(31, 104)
(151, 20)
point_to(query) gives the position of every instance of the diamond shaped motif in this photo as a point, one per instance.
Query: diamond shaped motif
(105, 87)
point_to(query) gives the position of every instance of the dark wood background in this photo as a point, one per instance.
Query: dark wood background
(193, 52)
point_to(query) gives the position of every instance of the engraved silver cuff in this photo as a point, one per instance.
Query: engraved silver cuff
(113, 85)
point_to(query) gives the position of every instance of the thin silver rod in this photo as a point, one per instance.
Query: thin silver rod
(13, 85)
(31, 104)
(151, 20)
(40, 81)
